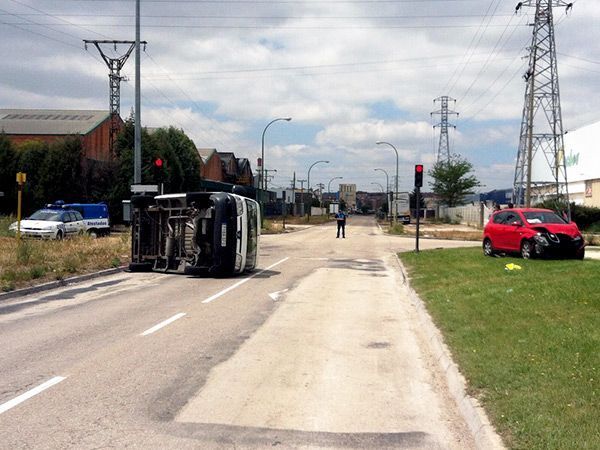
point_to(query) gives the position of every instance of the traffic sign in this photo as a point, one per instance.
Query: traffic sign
(135, 188)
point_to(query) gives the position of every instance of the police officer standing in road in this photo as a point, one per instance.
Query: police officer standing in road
(341, 223)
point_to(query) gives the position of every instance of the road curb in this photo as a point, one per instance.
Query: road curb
(483, 431)
(60, 283)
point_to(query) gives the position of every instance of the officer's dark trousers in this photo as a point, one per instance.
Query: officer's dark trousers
(341, 226)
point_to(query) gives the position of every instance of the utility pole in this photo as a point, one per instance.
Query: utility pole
(268, 177)
(302, 195)
(444, 144)
(541, 145)
(114, 82)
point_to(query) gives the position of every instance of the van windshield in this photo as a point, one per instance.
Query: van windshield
(252, 234)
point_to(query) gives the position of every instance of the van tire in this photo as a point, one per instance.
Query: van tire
(140, 267)
(93, 233)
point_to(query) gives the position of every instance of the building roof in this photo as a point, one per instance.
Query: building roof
(50, 121)
(206, 153)
(226, 156)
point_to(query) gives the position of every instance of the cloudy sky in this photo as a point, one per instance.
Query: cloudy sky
(349, 73)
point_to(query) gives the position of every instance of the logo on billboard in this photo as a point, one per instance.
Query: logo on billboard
(572, 159)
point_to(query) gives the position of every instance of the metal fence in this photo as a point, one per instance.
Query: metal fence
(476, 215)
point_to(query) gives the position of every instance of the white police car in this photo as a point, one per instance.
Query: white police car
(95, 215)
(51, 224)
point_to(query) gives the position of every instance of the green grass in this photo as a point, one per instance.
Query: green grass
(527, 341)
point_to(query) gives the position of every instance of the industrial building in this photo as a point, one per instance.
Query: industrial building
(50, 125)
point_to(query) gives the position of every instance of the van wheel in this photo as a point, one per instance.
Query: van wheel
(93, 234)
(488, 248)
(527, 250)
(140, 267)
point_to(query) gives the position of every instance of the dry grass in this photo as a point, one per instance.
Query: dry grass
(37, 261)
(275, 225)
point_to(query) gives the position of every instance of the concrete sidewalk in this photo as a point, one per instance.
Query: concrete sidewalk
(341, 355)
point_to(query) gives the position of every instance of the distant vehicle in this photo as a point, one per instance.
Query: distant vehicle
(213, 233)
(51, 224)
(532, 233)
(95, 216)
(401, 206)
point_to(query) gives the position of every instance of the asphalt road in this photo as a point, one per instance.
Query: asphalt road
(319, 348)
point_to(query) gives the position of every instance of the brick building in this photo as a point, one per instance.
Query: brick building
(225, 167)
(50, 125)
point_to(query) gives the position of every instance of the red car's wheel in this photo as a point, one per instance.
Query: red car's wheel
(488, 248)
(527, 250)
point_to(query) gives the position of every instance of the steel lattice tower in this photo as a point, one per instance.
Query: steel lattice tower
(444, 112)
(541, 140)
(114, 79)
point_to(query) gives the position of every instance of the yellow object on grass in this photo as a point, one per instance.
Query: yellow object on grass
(512, 266)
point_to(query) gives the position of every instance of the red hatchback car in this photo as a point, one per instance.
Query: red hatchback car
(532, 233)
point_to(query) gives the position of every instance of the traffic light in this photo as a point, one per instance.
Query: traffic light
(418, 175)
(159, 167)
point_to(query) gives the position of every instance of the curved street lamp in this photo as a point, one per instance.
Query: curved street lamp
(309, 169)
(387, 178)
(396, 186)
(262, 152)
(329, 184)
(378, 184)
(387, 190)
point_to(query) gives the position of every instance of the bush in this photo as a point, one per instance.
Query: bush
(397, 229)
(585, 217)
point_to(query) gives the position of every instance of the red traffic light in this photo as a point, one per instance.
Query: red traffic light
(158, 162)
(418, 175)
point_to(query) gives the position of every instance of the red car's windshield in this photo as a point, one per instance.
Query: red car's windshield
(535, 217)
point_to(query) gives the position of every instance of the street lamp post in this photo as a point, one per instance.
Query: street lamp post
(387, 190)
(329, 184)
(396, 185)
(309, 169)
(262, 152)
(378, 184)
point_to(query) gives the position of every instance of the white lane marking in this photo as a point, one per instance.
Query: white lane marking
(27, 395)
(239, 283)
(162, 324)
(275, 295)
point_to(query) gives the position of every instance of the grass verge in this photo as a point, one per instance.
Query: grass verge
(275, 225)
(36, 261)
(527, 341)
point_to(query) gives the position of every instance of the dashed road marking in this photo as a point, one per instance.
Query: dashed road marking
(239, 283)
(162, 324)
(27, 395)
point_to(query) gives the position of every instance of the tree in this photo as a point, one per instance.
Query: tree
(31, 157)
(8, 160)
(413, 200)
(452, 180)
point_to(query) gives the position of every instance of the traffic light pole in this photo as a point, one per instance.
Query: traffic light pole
(418, 200)
(418, 183)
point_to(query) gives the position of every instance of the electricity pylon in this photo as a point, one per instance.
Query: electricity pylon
(114, 79)
(444, 145)
(541, 160)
